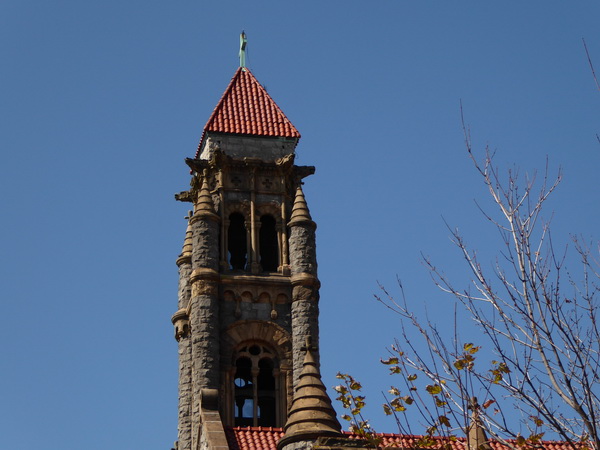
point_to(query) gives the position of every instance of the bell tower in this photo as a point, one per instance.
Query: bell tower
(248, 286)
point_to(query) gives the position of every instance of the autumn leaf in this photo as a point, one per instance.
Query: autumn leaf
(433, 389)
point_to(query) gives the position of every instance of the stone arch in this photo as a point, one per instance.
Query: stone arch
(271, 208)
(241, 207)
(236, 338)
(259, 331)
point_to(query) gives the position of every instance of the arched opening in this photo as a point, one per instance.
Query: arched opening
(268, 245)
(236, 242)
(254, 387)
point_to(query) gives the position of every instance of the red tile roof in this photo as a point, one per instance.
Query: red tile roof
(253, 438)
(247, 108)
(265, 438)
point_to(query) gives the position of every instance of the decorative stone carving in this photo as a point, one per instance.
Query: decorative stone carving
(181, 321)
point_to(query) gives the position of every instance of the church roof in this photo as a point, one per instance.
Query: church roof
(246, 108)
(265, 438)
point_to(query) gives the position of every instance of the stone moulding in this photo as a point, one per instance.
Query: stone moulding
(305, 279)
(204, 274)
(257, 331)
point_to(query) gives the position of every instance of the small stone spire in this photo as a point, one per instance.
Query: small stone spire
(300, 212)
(205, 205)
(476, 437)
(311, 415)
(186, 251)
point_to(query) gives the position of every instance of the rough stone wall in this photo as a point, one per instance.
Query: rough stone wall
(185, 362)
(204, 311)
(300, 445)
(305, 322)
(185, 394)
(305, 294)
(265, 148)
(303, 249)
(205, 239)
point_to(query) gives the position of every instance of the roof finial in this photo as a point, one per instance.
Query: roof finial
(243, 42)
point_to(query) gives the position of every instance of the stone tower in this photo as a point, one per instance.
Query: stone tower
(248, 286)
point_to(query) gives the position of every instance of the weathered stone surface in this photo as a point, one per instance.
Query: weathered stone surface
(184, 423)
(205, 253)
(204, 320)
(305, 322)
(265, 148)
(300, 445)
(185, 394)
(305, 295)
(185, 288)
(303, 250)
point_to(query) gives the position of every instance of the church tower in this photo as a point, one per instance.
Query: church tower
(248, 286)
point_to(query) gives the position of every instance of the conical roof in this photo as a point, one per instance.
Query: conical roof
(311, 414)
(246, 108)
(300, 212)
(187, 242)
(205, 205)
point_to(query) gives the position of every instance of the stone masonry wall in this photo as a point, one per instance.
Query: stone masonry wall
(205, 241)
(185, 362)
(305, 293)
(303, 250)
(204, 311)
(265, 148)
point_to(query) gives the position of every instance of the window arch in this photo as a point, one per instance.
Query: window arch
(237, 246)
(254, 387)
(268, 244)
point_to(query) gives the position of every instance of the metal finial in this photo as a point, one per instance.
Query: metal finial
(243, 42)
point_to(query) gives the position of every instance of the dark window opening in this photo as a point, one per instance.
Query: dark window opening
(266, 393)
(269, 248)
(244, 393)
(255, 388)
(236, 240)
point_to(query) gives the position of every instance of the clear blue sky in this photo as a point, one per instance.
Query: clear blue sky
(102, 101)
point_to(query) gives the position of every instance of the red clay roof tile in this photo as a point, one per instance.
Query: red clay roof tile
(247, 108)
(265, 438)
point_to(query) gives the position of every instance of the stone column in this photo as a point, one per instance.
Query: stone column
(305, 292)
(204, 307)
(181, 322)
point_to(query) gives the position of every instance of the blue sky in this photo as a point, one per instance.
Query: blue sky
(102, 101)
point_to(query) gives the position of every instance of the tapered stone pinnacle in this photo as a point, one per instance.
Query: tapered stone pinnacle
(300, 212)
(311, 415)
(205, 205)
(186, 251)
(476, 437)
